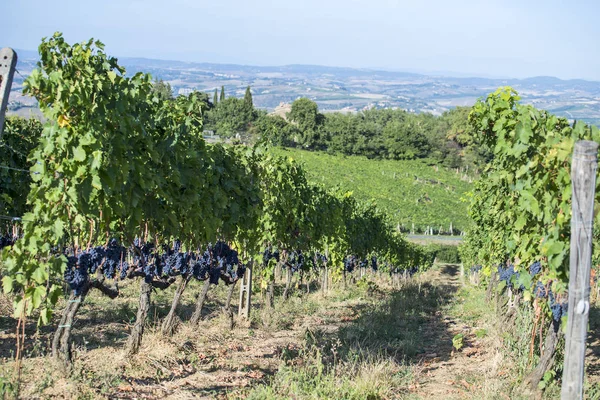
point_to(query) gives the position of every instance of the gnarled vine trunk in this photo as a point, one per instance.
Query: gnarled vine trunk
(169, 324)
(61, 342)
(227, 308)
(197, 315)
(271, 295)
(135, 339)
(530, 384)
(288, 283)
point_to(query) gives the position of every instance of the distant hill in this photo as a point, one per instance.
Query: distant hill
(352, 89)
(408, 191)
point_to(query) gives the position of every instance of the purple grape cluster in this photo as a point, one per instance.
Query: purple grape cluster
(6, 241)
(476, 269)
(216, 262)
(540, 290)
(350, 264)
(374, 263)
(535, 268)
(116, 260)
(270, 254)
(76, 275)
(363, 263)
(225, 264)
(296, 261)
(558, 308)
(507, 273)
(201, 265)
(321, 259)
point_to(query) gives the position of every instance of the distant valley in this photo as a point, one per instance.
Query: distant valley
(346, 89)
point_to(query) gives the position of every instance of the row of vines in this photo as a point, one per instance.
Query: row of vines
(120, 185)
(521, 210)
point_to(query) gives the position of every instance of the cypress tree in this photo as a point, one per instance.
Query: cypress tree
(222, 93)
(248, 99)
(215, 98)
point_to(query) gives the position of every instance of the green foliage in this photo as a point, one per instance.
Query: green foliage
(248, 100)
(222, 96)
(163, 90)
(117, 160)
(367, 285)
(274, 130)
(522, 208)
(18, 140)
(305, 114)
(405, 141)
(408, 191)
(215, 97)
(111, 158)
(457, 341)
(393, 134)
(8, 388)
(481, 333)
(230, 116)
(445, 253)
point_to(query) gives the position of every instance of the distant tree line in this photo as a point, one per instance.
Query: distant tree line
(377, 133)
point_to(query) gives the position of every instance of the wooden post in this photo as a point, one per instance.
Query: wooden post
(8, 63)
(583, 177)
(245, 293)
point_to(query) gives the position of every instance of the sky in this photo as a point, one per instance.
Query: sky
(493, 38)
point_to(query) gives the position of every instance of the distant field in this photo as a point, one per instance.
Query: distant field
(409, 191)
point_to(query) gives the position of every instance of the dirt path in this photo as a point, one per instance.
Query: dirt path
(451, 374)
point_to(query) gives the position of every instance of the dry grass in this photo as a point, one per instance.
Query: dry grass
(369, 341)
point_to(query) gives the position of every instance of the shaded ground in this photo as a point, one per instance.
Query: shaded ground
(401, 336)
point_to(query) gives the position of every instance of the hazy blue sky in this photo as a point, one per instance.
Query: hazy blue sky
(507, 38)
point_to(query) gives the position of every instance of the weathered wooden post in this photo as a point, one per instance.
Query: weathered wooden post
(583, 177)
(8, 63)
(245, 293)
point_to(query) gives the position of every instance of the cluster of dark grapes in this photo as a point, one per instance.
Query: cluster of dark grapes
(374, 263)
(115, 261)
(475, 269)
(321, 259)
(111, 258)
(363, 263)
(201, 264)
(540, 290)
(296, 261)
(350, 264)
(225, 265)
(75, 275)
(216, 262)
(535, 268)
(6, 241)
(270, 254)
(558, 308)
(506, 273)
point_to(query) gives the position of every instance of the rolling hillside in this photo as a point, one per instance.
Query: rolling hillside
(409, 191)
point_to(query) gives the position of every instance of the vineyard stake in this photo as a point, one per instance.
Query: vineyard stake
(583, 177)
(8, 63)
(245, 293)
